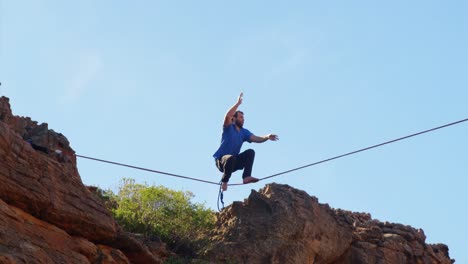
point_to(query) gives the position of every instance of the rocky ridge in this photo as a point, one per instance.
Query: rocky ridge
(280, 224)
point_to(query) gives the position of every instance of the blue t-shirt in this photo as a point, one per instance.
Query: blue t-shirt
(231, 141)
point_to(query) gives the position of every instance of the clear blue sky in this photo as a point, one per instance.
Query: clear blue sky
(148, 83)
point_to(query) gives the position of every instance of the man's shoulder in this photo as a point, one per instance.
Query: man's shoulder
(230, 126)
(246, 131)
(228, 129)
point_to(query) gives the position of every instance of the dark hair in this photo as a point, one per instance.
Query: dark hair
(235, 114)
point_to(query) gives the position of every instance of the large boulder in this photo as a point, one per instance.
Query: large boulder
(280, 224)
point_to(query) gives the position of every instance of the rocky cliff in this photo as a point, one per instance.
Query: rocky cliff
(47, 215)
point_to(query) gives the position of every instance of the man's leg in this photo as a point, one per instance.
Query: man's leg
(227, 165)
(245, 160)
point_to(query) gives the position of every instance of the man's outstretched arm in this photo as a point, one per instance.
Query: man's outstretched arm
(257, 139)
(230, 113)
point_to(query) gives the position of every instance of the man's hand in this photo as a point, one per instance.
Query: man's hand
(232, 111)
(239, 99)
(273, 137)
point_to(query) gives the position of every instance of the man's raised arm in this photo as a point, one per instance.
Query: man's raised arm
(230, 113)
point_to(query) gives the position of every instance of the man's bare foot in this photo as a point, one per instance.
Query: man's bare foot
(250, 179)
(224, 186)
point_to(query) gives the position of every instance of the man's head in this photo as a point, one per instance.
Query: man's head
(238, 118)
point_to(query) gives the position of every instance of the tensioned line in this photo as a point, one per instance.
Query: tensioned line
(145, 169)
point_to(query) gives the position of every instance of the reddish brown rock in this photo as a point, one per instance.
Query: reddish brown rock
(377, 242)
(26, 239)
(39, 136)
(280, 224)
(50, 190)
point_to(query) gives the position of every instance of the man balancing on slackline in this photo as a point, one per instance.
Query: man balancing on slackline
(228, 159)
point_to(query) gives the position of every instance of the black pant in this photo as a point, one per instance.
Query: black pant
(230, 163)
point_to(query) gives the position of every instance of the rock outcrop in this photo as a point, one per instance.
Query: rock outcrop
(47, 215)
(280, 224)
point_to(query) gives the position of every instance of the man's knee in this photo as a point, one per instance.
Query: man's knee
(250, 153)
(229, 162)
(229, 159)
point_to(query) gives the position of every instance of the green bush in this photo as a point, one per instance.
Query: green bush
(157, 211)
